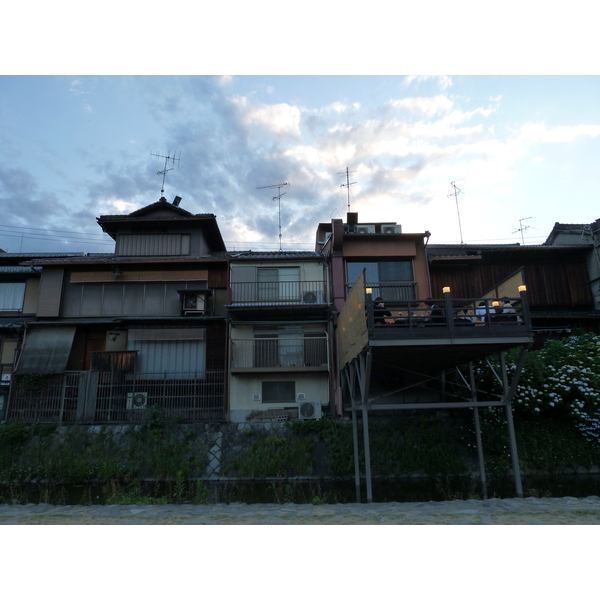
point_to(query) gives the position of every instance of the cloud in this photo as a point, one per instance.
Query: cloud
(404, 152)
(442, 81)
(539, 132)
(277, 119)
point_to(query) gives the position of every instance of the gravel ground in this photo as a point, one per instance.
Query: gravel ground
(495, 511)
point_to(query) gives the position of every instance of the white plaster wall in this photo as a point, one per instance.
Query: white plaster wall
(244, 385)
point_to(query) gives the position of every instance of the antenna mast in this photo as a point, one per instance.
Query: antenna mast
(455, 193)
(522, 229)
(165, 170)
(278, 198)
(347, 184)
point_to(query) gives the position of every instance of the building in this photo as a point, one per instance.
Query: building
(280, 336)
(116, 333)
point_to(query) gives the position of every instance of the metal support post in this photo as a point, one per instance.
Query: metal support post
(478, 433)
(365, 420)
(508, 394)
(365, 368)
(350, 382)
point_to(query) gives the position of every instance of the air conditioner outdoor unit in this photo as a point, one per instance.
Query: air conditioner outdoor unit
(391, 229)
(309, 410)
(194, 303)
(364, 229)
(312, 297)
(137, 400)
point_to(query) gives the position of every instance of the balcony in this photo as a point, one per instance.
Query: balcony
(276, 354)
(278, 293)
(429, 336)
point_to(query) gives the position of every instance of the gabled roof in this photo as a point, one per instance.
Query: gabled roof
(583, 229)
(165, 212)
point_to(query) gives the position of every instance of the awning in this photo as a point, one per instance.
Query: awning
(46, 350)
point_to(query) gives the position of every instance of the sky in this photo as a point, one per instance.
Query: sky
(522, 151)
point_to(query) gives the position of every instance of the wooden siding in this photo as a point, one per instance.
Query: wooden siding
(50, 292)
(562, 284)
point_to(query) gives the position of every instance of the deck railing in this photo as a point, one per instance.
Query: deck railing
(447, 316)
(280, 353)
(103, 397)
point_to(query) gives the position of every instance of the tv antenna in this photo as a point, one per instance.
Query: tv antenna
(165, 170)
(455, 193)
(522, 229)
(277, 186)
(347, 184)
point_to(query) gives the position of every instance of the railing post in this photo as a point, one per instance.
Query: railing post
(448, 310)
(370, 311)
(525, 305)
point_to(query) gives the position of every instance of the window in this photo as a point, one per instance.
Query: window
(179, 352)
(390, 279)
(278, 284)
(279, 391)
(11, 296)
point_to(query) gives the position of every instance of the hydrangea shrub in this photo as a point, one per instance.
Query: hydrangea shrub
(563, 380)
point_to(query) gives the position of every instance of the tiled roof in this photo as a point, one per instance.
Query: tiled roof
(38, 254)
(19, 269)
(291, 255)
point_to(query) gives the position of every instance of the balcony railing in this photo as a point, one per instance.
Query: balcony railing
(280, 353)
(273, 293)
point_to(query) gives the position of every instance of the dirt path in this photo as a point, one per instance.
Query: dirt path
(511, 511)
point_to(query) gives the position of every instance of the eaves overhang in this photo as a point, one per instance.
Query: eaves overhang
(123, 260)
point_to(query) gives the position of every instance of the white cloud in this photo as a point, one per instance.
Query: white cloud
(538, 132)
(276, 118)
(443, 81)
(427, 106)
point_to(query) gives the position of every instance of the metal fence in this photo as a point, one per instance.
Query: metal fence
(104, 397)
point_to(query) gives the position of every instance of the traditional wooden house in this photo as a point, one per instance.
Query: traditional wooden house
(144, 326)
(279, 338)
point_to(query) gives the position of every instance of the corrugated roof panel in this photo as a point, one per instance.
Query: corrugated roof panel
(46, 350)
